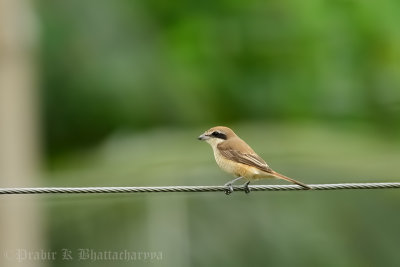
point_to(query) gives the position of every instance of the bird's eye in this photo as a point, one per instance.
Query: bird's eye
(215, 134)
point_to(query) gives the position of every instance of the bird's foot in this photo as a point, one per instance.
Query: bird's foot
(229, 188)
(246, 187)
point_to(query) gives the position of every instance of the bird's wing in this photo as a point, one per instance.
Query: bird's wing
(242, 153)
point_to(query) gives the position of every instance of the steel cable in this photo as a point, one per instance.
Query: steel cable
(212, 188)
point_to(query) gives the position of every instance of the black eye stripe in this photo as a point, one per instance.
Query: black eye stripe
(219, 135)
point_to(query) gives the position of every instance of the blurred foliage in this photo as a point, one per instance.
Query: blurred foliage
(138, 64)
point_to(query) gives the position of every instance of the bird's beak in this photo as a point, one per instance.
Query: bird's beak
(203, 137)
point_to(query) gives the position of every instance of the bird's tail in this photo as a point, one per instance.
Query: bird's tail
(281, 176)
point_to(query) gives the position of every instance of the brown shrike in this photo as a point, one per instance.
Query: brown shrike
(234, 156)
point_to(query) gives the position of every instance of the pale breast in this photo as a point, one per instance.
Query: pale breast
(224, 163)
(238, 169)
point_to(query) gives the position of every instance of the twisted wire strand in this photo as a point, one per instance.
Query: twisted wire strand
(163, 189)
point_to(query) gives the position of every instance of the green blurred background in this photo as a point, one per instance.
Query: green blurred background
(314, 86)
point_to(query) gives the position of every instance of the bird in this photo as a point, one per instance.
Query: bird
(235, 156)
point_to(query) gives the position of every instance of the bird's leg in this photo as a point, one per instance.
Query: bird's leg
(229, 186)
(246, 187)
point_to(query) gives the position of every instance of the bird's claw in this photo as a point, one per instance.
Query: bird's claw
(229, 189)
(246, 187)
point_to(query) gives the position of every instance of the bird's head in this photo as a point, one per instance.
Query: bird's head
(217, 135)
